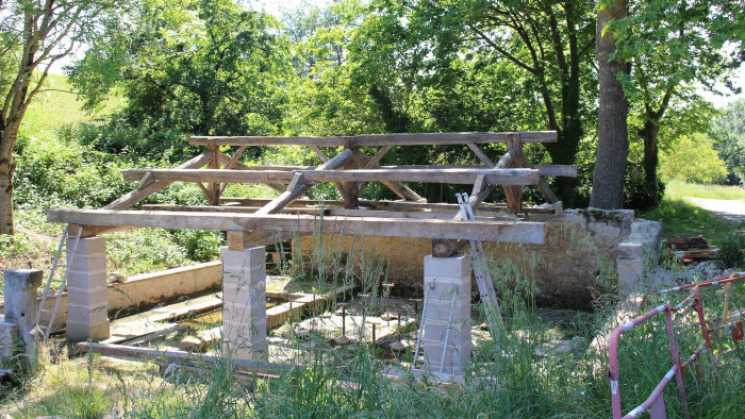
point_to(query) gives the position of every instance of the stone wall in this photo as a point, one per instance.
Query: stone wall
(586, 252)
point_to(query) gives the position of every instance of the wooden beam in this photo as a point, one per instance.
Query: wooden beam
(514, 232)
(225, 159)
(300, 184)
(378, 140)
(178, 357)
(548, 193)
(144, 191)
(321, 174)
(375, 161)
(514, 193)
(230, 208)
(398, 188)
(480, 154)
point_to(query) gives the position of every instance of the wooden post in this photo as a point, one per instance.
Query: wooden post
(514, 193)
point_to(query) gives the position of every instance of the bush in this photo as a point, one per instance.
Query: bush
(639, 194)
(732, 251)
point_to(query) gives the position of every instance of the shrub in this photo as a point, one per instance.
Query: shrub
(732, 251)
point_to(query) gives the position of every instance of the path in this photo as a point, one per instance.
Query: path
(729, 210)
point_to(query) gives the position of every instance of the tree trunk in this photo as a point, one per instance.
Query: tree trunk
(651, 133)
(7, 167)
(613, 143)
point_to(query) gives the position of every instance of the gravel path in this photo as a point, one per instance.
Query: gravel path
(732, 211)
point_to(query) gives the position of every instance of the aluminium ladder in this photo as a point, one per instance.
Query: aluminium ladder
(447, 323)
(481, 270)
(61, 283)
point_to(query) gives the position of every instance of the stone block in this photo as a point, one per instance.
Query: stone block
(447, 268)
(458, 333)
(244, 293)
(20, 295)
(90, 245)
(248, 332)
(87, 263)
(80, 330)
(9, 339)
(249, 259)
(90, 297)
(86, 279)
(456, 357)
(83, 313)
(239, 313)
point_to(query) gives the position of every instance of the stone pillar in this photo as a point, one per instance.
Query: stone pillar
(448, 282)
(21, 305)
(87, 302)
(244, 303)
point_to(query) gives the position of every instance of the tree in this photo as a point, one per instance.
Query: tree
(613, 143)
(676, 46)
(203, 68)
(693, 159)
(34, 34)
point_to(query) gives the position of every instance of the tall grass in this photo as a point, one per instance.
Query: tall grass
(679, 189)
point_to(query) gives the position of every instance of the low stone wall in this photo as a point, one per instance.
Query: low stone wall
(586, 252)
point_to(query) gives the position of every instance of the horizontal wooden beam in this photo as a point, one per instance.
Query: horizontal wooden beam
(451, 176)
(514, 232)
(543, 169)
(375, 140)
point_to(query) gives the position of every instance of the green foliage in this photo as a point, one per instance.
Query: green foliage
(732, 251)
(682, 218)
(639, 194)
(195, 68)
(729, 131)
(693, 159)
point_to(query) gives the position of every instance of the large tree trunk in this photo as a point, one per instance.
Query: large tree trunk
(7, 167)
(650, 133)
(613, 143)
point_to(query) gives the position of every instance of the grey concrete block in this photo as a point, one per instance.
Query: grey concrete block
(9, 339)
(90, 297)
(450, 267)
(77, 330)
(83, 313)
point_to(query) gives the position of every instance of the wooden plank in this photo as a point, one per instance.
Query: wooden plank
(225, 159)
(450, 176)
(144, 191)
(211, 175)
(377, 140)
(480, 154)
(548, 193)
(514, 193)
(516, 232)
(173, 356)
(398, 188)
(299, 184)
(230, 208)
(375, 161)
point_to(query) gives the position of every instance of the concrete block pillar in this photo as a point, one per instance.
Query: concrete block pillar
(244, 303)
(20, 306)
(87, 302)
(448, 283)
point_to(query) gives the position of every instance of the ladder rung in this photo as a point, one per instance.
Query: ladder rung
(436, 321)
(438, 341)
(43, 310)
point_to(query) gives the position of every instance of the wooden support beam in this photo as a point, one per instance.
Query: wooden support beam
(378, 140)
(375, 161)
(403, 191)
(514, 193)
(300, 184)
(231, 208)
(225, 159)
(515, 232)
(144, 191)
(321, 174)
(480, 154)
(546, 190)
(178, 357)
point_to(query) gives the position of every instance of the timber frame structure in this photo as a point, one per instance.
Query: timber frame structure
(252, 222)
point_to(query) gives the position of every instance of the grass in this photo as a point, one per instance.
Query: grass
(678, 189)
(683, 218)
(56, 106)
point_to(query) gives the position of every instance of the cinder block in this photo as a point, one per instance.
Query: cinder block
(237, 313)
(244, 293)
(90, 297)
(247, 353)
(86, 279)
(450, 267)
(91, 245)
(459, 333)
(248, 332)
(81, 313)
(249, 259)
(88, 263)
(456, 358)
(80, 330)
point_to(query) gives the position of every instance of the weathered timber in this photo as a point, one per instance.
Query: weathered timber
(546, 190)
(452, 176)
(376, 140)
(480, 154)
(144, 191)
(514, 193)
(398, 188)
(211, 175)
(226, 160)
(180, 357)
(300, 184)
(515, 232)
(375, 161)
(230, 208)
